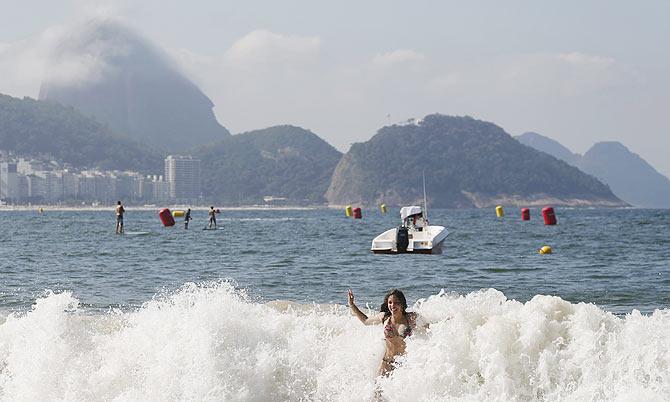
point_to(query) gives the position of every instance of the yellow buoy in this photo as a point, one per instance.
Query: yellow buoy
(499, 211)
(382, 208)
(347, 211)
(40, 210)
(544, 250)
(177, 213)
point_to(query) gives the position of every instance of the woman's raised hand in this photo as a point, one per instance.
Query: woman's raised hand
(350, 297)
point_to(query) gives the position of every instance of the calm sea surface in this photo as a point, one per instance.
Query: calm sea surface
(616, 259)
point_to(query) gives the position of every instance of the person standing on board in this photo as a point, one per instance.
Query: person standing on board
(187, 218)
(119, 217)
(398, 325)
(212, 218)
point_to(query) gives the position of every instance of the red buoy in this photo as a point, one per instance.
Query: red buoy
(357, 213)
(549, 216)
(166, 217)
(525, 214)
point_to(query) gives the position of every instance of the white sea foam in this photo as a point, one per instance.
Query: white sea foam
(209, 342)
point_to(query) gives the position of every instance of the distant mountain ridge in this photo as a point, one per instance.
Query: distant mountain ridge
(631, 178)
(132, 86)
(549, 146)
(32, 127)
(467, 163)
(282, 161)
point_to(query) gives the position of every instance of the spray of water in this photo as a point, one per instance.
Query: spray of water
(210, 342)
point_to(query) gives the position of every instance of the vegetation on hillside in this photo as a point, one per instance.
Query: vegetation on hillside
(459, 155)
(31, 127)
(281, 161)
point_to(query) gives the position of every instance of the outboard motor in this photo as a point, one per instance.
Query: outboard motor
(402, 239)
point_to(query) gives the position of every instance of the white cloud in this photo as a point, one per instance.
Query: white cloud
(22, 63)
(257, 63)
(538, 74)
(260, 46)
(198, 67)
(88, 9)
(397, 57)
(278, 74)
(578, 58)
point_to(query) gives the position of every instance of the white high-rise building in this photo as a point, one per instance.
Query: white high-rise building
(70, 185)
(9, 182)
(182, 173)
(53, 185)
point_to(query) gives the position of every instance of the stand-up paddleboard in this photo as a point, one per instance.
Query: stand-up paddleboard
(135, 233)
(206, 228)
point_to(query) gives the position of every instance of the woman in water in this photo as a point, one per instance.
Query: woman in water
(398, 325)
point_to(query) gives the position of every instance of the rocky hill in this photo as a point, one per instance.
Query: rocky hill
(467, 163)
(629, 176)
(281, 161)
(109, 72)
(31, 127)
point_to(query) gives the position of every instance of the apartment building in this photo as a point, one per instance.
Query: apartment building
(182, 173)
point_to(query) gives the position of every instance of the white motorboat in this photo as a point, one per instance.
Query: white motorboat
(414, 235)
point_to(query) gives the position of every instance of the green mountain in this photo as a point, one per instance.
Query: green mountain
(280, 161)
(132, 86)
(31, 127)
(467, 163)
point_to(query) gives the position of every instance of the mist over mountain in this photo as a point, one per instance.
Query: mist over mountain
(467, 163)
(31, 127)
(629, 176)
(109, 72)
(281, 161)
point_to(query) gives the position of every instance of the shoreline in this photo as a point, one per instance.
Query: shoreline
(46, 208)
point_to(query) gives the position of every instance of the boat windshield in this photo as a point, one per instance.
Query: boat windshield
(416, 222)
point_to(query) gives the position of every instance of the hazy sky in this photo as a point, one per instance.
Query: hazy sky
(576, 71)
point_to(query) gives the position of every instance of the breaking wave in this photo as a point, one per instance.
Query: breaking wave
(211, 342)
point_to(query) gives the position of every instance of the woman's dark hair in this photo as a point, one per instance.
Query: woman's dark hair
(399, 295)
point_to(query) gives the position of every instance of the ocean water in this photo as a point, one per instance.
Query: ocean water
(256, 311)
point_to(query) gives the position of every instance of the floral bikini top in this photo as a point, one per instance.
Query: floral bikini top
(402, 330)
